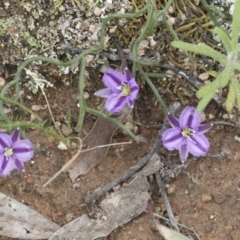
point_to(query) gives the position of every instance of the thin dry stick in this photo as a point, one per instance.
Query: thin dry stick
(166, 202)
(77, 154)
(65, 166)
(35, 78)
(226, 123)
(106, 145)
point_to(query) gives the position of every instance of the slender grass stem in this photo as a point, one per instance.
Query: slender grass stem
(155, 91)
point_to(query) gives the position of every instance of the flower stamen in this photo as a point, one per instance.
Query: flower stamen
(126, 90)
(187, 132)
(8, 151)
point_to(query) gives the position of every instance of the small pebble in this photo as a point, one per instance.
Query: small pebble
(225, 116)
(157, 209)
(211, 217)
(203, 76)
(206, 198)
(211, 116)
(100, 168)
(171, 21)
(171, 189)
(97, 11)
(2, 82)
(69, 217)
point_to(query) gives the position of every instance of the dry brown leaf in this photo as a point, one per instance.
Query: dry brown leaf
(101, 134)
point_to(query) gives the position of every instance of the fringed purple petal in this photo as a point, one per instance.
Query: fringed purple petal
(183, 153)
(15, 136)
(134, 92)
(130, 102)
(115, 104)
(198, 145)
(128, 74)
(204, 127)
(7, 166)
(190, 118)
(19, 165)
(2, 162)
(5, 141)
(133, 86)
(23, 150)
(174, 122)
(105, 92)
(172, 138)
(112, 79)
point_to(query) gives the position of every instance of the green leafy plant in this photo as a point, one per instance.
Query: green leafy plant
(230, 62)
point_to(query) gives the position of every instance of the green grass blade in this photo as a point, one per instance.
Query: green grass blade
(224, 39)
(236, 87)
(235, 24)
(225, 76)
(210, 88)
(201, 48)
(230, 98)
(204, 101)
(207, 92)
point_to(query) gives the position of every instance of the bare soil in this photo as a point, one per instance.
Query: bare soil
(211, 207)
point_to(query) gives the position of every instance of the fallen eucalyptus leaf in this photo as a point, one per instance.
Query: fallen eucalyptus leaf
(117, 208)
(19, 221)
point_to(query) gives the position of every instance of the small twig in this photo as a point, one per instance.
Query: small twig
(166, 202)
(226, 123)
(65, 166)
(107, 145)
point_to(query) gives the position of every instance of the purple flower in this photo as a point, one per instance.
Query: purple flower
(186, 134)
(14, 152)
(121, 89)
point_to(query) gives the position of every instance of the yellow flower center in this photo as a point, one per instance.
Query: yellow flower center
(8, 152)
(187, 132)
(126, 90)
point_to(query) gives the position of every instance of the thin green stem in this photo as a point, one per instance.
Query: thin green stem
(163, 13)
(155, 91)
(210, 10)
(13, 102)
(156, 75)
(47, 131)
(81, 85)
(141, 36)
(115, 121)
